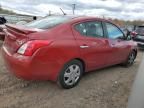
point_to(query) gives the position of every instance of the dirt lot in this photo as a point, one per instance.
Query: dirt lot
(106, 88)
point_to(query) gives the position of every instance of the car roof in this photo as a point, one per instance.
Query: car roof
(77, 18)
(87, 18)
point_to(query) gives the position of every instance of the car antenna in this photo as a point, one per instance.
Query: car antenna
(63, 11)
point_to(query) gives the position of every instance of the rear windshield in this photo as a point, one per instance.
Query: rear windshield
(48, 22)
(140, 30)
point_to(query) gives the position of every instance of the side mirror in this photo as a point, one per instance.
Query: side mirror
(127, 32)
(128, 35)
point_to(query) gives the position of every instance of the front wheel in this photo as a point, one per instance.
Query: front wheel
(130, 59)
(70, 74)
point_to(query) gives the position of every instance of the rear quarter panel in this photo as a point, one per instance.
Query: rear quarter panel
(63, 48)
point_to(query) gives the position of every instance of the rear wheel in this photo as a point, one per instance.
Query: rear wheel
(130, 59)
(70, 74)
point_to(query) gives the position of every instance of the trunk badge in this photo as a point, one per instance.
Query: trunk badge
(19, 42)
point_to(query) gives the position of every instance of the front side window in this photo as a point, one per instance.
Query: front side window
(90, 29)
(113, 31)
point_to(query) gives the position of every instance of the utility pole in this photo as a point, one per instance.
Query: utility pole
(49, 13)
(73, 8)
(0, 6)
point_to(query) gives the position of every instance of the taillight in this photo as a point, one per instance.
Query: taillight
(30, 47)
(134, 34)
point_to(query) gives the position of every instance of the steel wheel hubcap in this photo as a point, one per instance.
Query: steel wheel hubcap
(131, 58)
(72, 74)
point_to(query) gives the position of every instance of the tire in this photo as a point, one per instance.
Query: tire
(130, 59)
(71, 74)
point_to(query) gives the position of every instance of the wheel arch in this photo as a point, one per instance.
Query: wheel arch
(83, 63)
(81, 60)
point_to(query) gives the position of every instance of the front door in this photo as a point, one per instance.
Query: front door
(120, 47)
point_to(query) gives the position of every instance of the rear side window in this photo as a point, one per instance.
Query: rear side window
(90, 29)
(81, 28)
(48, 22)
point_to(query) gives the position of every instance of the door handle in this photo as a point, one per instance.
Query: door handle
(113, 45)
(84, 46)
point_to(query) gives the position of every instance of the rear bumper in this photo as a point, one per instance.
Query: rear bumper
(139, 41)
(20, 67)
(140, 45)
(29, 69)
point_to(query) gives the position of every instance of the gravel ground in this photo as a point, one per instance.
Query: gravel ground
(105, 88)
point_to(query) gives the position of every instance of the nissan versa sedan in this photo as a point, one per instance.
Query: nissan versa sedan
(63, 48)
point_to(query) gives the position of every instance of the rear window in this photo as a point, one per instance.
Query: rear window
(140, 30)
(48, 22)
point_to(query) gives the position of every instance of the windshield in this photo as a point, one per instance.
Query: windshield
(48, 22)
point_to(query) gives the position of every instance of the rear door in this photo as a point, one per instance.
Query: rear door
(119, 45)
(92, 43)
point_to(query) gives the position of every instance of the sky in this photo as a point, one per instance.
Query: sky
(121, 9)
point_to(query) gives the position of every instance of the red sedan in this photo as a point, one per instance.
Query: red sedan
(62, 48)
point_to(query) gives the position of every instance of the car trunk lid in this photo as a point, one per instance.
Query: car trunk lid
(16, 36)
